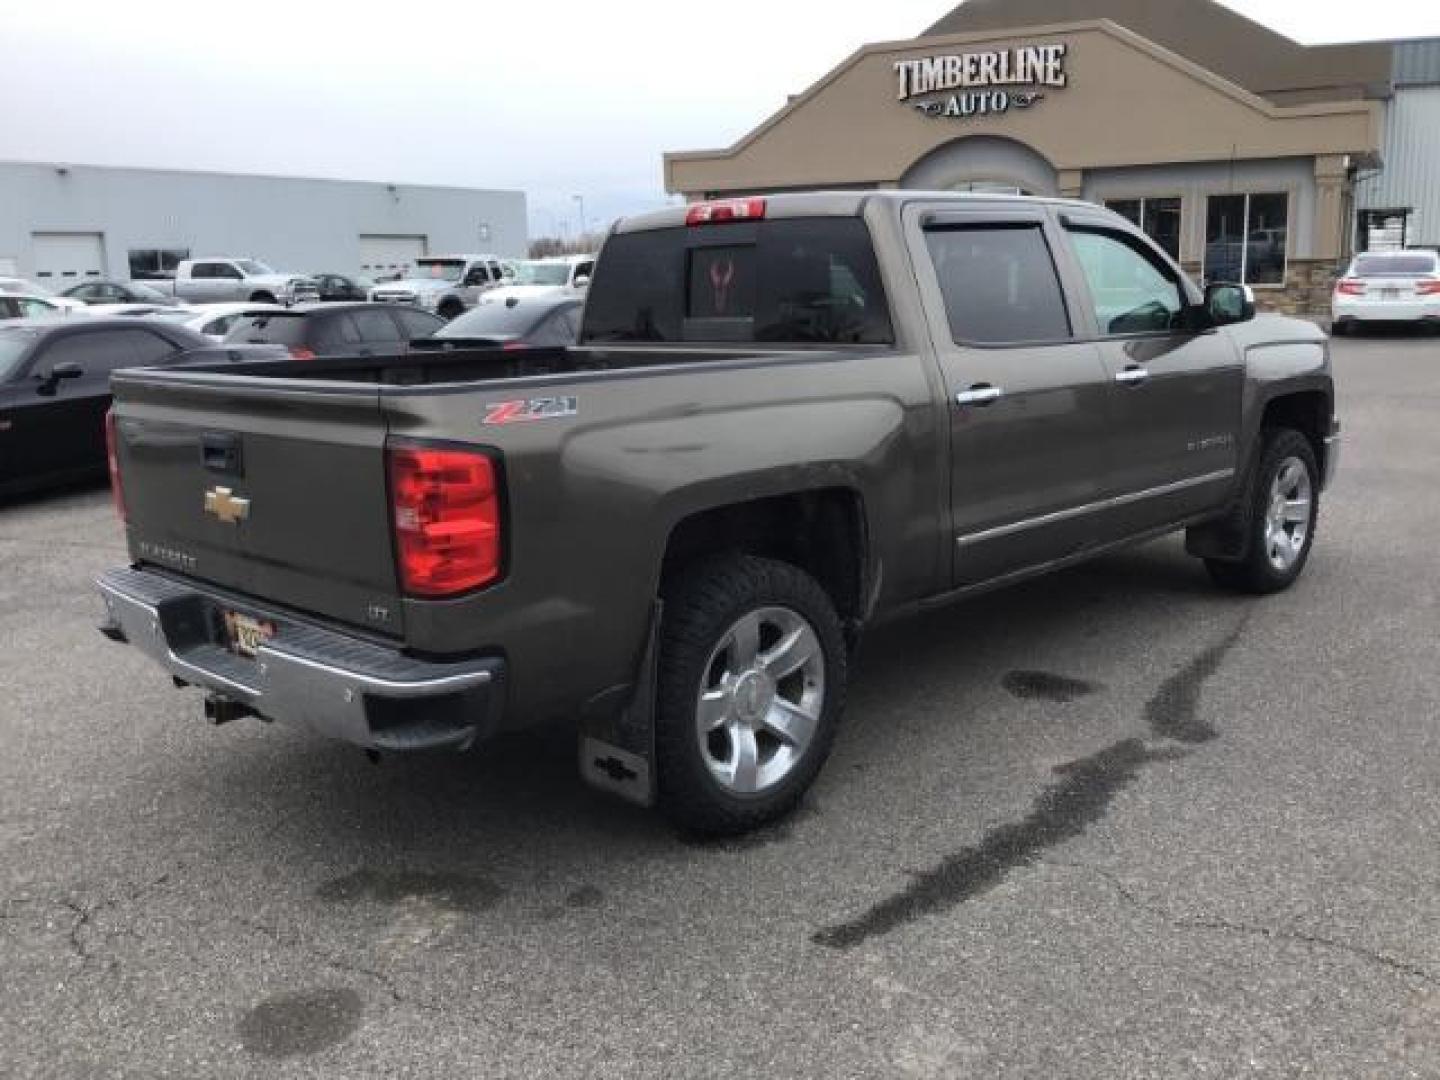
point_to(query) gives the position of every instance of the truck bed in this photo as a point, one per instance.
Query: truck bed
(479, 365)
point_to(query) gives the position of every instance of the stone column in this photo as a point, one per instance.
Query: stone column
(1330, 224)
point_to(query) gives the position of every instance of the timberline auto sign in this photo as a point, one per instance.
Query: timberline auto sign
(983, 79)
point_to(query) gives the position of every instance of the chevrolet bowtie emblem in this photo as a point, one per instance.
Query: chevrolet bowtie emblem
(226, 505)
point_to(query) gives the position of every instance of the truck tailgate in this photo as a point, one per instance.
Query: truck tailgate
(274, 489)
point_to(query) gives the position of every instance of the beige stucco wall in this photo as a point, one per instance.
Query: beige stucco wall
(1127, 102)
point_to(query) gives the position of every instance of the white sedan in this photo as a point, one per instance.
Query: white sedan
(212, 320)
(16, 305)
(18, 286)
(1388, 286)
(133, 309)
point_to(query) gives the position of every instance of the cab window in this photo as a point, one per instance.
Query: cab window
(999, 283)
(1131, 292)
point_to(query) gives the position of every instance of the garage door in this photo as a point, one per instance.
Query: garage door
(66, 259)
(382, 256)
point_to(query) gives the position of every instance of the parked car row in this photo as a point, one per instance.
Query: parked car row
(55, 372)
(452, 284)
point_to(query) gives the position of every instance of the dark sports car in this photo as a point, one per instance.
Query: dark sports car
(55, 388)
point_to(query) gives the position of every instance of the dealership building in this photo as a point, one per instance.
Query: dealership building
(1247, 156)
(62, 224)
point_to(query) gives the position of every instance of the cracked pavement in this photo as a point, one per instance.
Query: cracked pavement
(1114, 823)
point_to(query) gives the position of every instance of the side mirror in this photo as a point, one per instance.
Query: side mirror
(582, 281)
(50, 381)
(1228, 304)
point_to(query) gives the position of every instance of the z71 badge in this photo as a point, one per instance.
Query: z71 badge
(527, 410)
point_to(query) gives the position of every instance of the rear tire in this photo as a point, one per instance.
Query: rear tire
(1284, 508)
(751, 686)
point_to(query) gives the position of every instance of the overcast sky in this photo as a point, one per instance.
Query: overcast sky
(555, 97)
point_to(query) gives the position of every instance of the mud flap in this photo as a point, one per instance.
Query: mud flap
(617, 745)
(1227, 538)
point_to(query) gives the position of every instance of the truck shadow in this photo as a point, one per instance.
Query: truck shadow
(518, 800)
(55, 497)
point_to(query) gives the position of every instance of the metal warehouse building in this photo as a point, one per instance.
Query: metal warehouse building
(61, 224)
(1247, 156)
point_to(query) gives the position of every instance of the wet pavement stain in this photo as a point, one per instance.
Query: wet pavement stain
(1062, 812)
(586, 896)
(460, 892)
(1173, 712)
(302, 1023)
(1047, 686)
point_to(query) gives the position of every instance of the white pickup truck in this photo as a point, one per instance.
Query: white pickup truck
(223, 280)
(446, 284)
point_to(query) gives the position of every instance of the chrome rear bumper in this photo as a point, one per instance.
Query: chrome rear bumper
(341, 686)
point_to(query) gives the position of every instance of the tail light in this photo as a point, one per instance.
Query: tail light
(300, 352)
(112, 458)
(446, 505)
(709, 213)
(1350, 287)
(1427, 288)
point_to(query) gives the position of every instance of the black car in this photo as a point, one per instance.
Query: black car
(310, 330)
(533, 322)
(55, 388)
(335, 287)
(118, 292)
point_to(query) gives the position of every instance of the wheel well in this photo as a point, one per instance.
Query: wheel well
(262, 297)
(822, 532)
(1308, 413)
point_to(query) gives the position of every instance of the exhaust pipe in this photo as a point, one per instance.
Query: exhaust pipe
(220, 709)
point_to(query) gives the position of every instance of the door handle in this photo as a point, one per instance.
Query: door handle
(979, 394)
(1133, 375)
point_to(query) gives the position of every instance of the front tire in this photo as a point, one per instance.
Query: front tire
(1284, 507)
(751, 686)
(262, 298)
(450, 309)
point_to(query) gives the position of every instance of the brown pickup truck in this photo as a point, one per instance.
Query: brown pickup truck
(787, 418)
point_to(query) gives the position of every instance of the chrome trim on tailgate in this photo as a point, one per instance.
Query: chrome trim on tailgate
(325, 680)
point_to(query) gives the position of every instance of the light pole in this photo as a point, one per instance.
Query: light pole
(581, 200)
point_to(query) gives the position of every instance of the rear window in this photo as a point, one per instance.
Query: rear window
(1394, 265)
(279, 328)
(796, 281)
(505, 317)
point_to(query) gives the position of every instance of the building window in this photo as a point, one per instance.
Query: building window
(1158, 219)
(155, 263)
(1246, 238)
(1384, 230)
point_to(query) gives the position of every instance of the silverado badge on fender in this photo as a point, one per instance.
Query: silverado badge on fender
(226, 505)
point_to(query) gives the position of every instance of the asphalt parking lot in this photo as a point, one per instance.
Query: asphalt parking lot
(1114, 823)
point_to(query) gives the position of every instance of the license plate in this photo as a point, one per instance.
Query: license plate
(1389, 294)
(247, 634)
